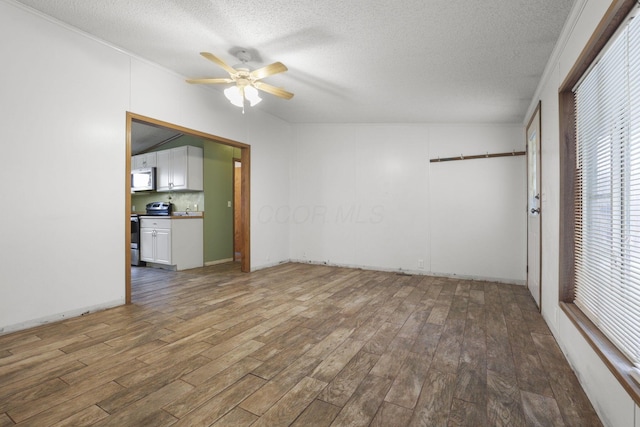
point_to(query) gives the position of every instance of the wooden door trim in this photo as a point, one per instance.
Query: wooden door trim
(245, 156)
(235, 160)
(127, 211)
(245, 218)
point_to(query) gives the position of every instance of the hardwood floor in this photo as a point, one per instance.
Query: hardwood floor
(300, 345)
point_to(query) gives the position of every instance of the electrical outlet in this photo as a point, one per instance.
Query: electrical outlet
(421, 264)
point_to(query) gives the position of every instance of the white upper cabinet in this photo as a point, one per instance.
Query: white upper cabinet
(146, 160)
(163, 170)
(179, 169)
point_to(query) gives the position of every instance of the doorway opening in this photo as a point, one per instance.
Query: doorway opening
(242, 194)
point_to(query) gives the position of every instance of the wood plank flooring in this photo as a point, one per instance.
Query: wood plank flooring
(296, 344)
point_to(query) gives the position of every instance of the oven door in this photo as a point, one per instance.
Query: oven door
(135, 240)
(135, 232)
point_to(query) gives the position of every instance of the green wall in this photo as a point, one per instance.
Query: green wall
(218, 191)
(218, 187)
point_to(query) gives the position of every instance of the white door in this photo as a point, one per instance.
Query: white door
(534, 208)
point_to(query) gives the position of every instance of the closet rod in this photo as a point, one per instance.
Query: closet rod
(479, 156)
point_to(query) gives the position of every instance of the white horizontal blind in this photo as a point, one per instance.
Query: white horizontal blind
(607, 247)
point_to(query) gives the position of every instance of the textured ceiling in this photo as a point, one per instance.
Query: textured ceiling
(349, 60)
(146, 137)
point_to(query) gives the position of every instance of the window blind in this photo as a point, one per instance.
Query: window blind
(607, 218)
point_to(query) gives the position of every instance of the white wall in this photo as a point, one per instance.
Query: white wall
(63, 102)
(63, 105)
(269, 187)
(367, 196)
(478, 207)
(614, 406)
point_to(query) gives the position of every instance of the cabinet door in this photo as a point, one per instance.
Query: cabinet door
(163, 170)
(146, 160)
(149, 160)
(147, 244)
(163, 246)
(137, 162)
(179, 167)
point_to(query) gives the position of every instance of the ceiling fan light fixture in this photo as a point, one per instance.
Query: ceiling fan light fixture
(251, 93)
(237, 94)
(234, 95)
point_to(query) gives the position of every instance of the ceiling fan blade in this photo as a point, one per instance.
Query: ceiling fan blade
(211, 57)
(269, 70)
(273, 90)
(211, 81)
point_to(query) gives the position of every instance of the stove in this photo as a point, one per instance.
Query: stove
(159, 208)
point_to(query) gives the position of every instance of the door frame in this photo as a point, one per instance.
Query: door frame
(536, 119)
(235, 160)
(245, 158)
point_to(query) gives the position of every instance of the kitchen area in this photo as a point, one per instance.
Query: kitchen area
(182, 199)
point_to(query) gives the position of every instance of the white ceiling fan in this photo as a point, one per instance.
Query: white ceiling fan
(246, 83)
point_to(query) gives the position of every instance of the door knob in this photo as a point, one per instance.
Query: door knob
(535, 211)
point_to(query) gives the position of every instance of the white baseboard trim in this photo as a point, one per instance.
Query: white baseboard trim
(481, 278)
(269, 265)
(415, 272)
(59, 316)
(218, 261)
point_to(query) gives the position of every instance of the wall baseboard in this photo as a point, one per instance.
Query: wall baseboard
(218, 261)
(415, 272)
(59, 316)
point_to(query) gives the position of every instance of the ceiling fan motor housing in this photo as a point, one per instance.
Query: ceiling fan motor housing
(243, 55)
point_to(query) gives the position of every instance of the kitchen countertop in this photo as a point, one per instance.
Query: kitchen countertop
(175, 215)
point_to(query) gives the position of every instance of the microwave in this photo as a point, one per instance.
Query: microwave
(143, 179)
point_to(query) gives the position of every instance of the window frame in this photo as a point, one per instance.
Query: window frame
(614, 359)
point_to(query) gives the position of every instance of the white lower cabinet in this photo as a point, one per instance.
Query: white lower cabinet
(155, 243)
(177, 243)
